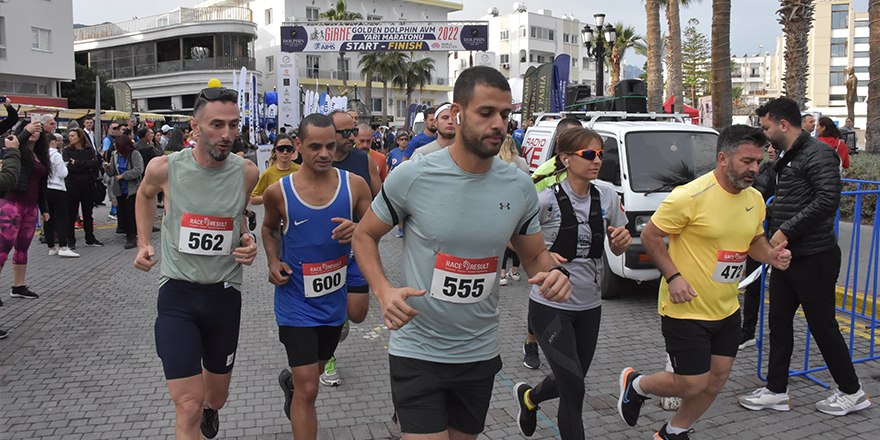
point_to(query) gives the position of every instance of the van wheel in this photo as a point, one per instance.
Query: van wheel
(611, 283)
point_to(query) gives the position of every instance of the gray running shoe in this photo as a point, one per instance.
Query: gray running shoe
(330, 377)
(840, 404)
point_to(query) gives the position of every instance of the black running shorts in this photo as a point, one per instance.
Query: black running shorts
(430, 397)
(308, 345)
(197, 326)
(692, 343)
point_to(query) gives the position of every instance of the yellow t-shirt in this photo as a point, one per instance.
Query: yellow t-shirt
(710, 231)
(546, 168)
(272, 175)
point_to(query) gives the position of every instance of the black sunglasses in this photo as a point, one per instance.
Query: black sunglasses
(348, 132)
(114, 127)
(215, 93)
(589, 154)
(284, 148)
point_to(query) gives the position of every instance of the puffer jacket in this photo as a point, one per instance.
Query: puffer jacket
(807, 196)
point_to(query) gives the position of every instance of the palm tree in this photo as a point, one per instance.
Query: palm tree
(386, 70)
(872, 130)
(413, 74)
(722, 88)
(626, 38)
(654, 43)
(796, 18)
(340, 13)
(370, 64)
(674, 46)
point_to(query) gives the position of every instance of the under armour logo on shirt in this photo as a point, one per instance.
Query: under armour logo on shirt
(504, 206)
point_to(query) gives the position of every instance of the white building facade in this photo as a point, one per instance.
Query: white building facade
(167, 58)
(36, 50)
(523, 39)
(326, 71)
(754, 74)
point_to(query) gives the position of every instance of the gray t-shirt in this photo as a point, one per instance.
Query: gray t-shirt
(457, 225)
(429, 148)
(586, 273)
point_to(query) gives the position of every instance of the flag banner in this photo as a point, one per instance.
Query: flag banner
(379, 36)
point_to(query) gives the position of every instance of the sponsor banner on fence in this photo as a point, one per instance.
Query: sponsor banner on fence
(384, 37)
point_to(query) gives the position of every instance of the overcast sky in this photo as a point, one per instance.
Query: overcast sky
(753, 22)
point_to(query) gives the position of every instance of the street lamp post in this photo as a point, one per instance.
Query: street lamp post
(599, 50)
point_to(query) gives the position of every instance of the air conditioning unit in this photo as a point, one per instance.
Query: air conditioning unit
(333, 74)
(505, 66)
(441, 81)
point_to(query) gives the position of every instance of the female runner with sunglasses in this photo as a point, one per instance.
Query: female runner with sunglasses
(280, 164)
(574, 227)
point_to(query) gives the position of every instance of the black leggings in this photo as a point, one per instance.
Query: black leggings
(568, 339)
(512, 255)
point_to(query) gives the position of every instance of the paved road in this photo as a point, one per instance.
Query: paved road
(80, 363)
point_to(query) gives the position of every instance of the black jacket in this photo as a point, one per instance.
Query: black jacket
(84, 169)
(807, 196)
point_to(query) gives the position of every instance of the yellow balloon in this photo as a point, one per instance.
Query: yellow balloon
(214, 82)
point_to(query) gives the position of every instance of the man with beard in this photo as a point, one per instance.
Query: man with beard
(713, 224)
(807, 198)
(204, 244)
(445, 130)
(353, 160)
(444, 349)
(425, 137)
(364, 142)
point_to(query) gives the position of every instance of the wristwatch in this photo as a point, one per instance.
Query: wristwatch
(253, 237)
(563, 270)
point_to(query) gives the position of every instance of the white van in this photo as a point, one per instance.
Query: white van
(646, 156)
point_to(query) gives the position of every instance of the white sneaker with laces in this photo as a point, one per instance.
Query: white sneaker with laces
(840, 404)
(513, 275)
(763, 398)
(68, 253)
(53, 252)
(503, 281)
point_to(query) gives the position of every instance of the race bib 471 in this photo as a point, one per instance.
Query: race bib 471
(463, 280)
(205, 235)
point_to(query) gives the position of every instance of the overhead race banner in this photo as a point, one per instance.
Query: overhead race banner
(379, 36)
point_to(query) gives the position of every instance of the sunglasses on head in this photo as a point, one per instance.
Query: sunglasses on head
(589, 154)
(284, 148)
(214, 93)
(403, 139)
(348, 132)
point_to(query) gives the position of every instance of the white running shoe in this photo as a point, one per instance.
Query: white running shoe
(513, 275)
(53, 252)
(840, 404)
(763, 398)
(68, 253)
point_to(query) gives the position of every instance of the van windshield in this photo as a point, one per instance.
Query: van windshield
(662, 160)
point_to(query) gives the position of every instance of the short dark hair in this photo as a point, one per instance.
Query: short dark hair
(730, 138)
(212, 94)
(478, 75)
(566, 123)
(280, 137)
(143, 132)
(781, 108)
(314, 120)
(429, 111)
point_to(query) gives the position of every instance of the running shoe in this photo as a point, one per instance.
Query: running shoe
(95, 243)
(763, 398)
(23, 292)
(111, 217)
(399, 233)
(503, 280)
(120, 232)
(330, 377)
(210, 423)
(344, 333)
(252, 220)
(67, 253)
(526, 419)
(285, 379)
(629, 404)
(3, 334)
(746, 339)
(663, 435)
(513, 275)
(78, 224)
(530, 355)
(53, 252)
(840, 404)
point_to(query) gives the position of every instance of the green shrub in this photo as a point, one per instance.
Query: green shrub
(863, 166)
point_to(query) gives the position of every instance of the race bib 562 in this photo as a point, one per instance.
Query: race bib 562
(205, 235)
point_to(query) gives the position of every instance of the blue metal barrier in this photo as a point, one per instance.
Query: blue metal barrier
(867, 319)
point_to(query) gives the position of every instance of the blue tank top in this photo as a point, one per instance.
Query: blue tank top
(316, 293)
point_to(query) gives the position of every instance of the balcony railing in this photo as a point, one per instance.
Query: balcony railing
(180, 16)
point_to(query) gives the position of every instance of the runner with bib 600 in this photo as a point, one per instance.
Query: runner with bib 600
(308, 265)
(460, 208)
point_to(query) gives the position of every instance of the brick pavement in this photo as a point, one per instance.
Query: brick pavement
(80, 363)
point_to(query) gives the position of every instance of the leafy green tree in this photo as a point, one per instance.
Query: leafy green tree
(80, 93)
(341, 13)
(696, 61)
(413, 74)
(626, 38)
